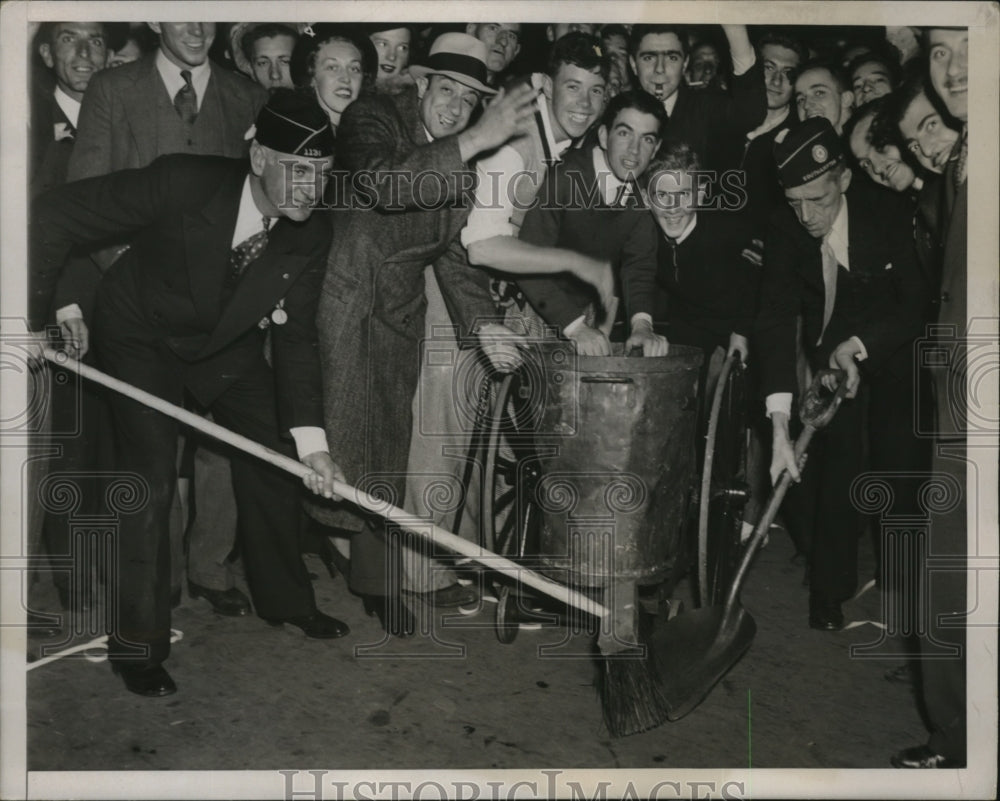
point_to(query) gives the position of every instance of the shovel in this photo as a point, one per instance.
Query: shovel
(696, 649)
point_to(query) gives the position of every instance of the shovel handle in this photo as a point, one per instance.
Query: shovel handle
(370, 503)
(815, 415)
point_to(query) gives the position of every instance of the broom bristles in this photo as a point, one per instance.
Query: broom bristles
(629, 688)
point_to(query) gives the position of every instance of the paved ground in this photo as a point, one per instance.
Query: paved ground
(254, 697)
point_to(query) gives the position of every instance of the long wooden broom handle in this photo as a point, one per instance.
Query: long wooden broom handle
(370, 503)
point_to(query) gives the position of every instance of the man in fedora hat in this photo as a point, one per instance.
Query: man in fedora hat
(841, 256)
(185, 309)
(407, 155)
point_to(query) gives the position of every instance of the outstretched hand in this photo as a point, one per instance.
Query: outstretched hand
(509, 114)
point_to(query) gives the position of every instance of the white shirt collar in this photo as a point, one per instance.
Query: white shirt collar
(671, 102)
(69, 106)
(606, 179)
(171, 75)
(837, 236)
(249, 219)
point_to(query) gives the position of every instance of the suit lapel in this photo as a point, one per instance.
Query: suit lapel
(265, 281)
(58, 115)
(208, 237)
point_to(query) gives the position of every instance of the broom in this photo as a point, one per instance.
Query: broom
(628, 679)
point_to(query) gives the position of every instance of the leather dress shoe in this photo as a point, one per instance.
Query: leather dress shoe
(151, 681)
(316, 625)
(231, 602)
(825, 615)
(455, 595)
(394, 615)
(921, 756)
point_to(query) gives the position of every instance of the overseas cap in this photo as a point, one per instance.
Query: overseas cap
(292, 122)
(806, 151)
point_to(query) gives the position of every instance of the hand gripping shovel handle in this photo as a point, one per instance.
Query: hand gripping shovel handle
(815, 413)
(370, 503)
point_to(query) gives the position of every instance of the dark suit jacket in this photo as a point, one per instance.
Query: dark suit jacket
(167, 290)
(953, 298)
(714, 123)
(49, 157)
(571, 214)
(407, 212)
(883, 305)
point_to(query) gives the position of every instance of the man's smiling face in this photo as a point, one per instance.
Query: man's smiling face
(445, 104)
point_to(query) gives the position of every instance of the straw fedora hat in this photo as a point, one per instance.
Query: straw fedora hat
(460, 57)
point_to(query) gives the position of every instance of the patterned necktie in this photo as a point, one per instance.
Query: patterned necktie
(829, 286)
(246, 252)
(186, 99)
(620, 196)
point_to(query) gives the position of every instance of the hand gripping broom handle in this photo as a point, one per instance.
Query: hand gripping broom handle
(370, 503)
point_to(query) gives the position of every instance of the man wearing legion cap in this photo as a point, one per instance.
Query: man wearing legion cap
(841, 257)
(222, 249)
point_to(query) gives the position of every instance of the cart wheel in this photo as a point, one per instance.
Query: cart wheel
(723, 485)
(510, 515)
(506, 619)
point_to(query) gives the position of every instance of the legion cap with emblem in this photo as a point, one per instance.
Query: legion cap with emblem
(292, 122)
(458, 56)
(807, 151)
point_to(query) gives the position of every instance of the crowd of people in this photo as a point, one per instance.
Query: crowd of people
(798, 203)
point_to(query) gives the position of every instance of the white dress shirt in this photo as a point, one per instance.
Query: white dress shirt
(171, 75)
(493, 209)
(69, 106)
(837, 239)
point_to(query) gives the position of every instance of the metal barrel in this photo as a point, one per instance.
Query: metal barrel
(615, 438)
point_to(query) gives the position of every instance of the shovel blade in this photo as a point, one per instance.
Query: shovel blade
(695, 650)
